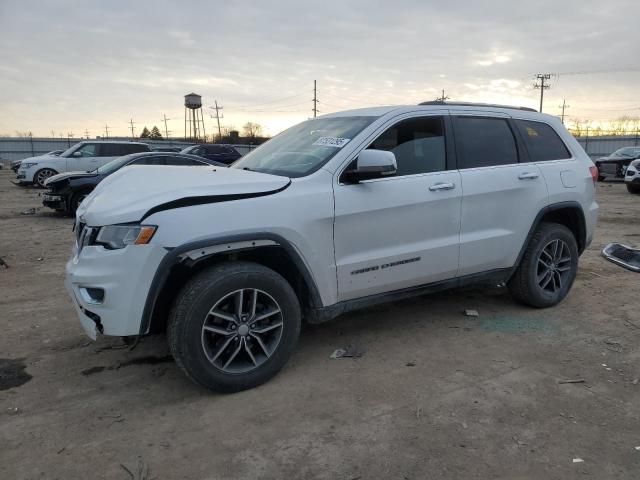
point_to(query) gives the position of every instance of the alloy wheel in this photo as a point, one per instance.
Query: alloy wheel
(42, 176)
(554, 266)
(242, 330)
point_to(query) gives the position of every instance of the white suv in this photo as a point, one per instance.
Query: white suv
(83, 156)
(337, 213)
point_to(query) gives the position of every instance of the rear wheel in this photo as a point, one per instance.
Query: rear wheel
(548, 268)
(41, 176)
(633, 188)
(234, 326)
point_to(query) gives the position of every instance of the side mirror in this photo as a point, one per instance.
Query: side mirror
(371, 164)
(77, 154)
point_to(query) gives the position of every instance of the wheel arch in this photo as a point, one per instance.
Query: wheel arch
(569, 214)
(184, 261)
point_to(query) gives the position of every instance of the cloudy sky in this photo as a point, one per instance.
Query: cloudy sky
(67, 66)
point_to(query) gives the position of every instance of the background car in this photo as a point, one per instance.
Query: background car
(632, 177)
(157, 148)
(83, 156)
(616, 164)
(219, 153)
(67, 190)
(15, 164)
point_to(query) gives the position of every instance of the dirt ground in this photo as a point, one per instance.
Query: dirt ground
(435, 395)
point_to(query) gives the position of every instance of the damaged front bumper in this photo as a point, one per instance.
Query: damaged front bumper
(109, 287)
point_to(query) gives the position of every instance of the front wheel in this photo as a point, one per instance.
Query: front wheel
(548, 268)
(633, 188)
(41, 176)
(234, 326)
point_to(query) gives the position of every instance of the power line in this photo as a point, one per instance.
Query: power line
(166, 130)
(563, 106)
(133, 135)
(542, 77)
(217, 108)
(315, 100)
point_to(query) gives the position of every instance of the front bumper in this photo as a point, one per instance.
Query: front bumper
(632, 175)
(123, 276)
(55, 201)
(24, 176)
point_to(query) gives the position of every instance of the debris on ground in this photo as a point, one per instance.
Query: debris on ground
(623, 255)
(3, 263)
(471, 313)
(142, 472)
(613, 345)
(410, 364)
(40, 259)
(578, 460)
(351, 351)
(576, 380)
(30, 211)
(638, 448)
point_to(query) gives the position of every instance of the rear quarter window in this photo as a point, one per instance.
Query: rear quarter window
(541, 141)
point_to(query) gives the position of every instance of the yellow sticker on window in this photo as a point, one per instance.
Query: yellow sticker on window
(532, 132)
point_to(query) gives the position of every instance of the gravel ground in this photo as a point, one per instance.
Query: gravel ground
(435, 395)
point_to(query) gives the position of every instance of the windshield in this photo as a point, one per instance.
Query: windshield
(189, 149)
(69, 151)
(114, 165)
(304, 148)
(626, 152)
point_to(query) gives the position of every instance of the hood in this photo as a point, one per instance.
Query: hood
(64, 176)
(36, 158)
(132, 193)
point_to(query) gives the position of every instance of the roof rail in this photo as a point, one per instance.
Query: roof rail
(471, 104)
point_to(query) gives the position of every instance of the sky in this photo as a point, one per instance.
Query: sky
(76, 66)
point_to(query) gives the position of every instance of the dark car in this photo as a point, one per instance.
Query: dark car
(219, 153)
(616, 164)
(67, 190)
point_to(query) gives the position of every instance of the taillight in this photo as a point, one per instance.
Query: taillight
(594, 174)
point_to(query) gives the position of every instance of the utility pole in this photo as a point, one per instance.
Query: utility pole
(69, 137)
(217, 108)
(166, 130)
(542, 78)
(86, 133)
(106, 131)
(315, 100)
(442, 98)
(564, 105)
(133, 135)
(53, 134)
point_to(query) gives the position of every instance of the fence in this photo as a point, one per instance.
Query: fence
(12, 148)
(601, 145)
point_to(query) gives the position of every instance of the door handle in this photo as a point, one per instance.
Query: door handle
(528, 176)
(442, 186)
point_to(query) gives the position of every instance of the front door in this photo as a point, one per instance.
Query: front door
(502, 193)
(401, 231)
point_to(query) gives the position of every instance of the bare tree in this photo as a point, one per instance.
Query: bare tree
(252, 130)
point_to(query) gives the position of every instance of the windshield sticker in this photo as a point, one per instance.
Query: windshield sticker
(336, 142)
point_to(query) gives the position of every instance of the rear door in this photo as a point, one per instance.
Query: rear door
(401, 231)
(502, 194)
(108, 152)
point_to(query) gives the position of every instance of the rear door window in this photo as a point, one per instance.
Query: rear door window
(484, 142)
(541, 141)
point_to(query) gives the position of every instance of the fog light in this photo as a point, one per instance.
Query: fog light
(94, 296)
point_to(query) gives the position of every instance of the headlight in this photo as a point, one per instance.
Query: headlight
(28, 164)
(119, 236)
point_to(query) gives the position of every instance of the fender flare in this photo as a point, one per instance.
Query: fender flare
(175, 256)
(582, 227)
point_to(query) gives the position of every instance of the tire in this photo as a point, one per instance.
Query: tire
(633, 188)
(75, 202)
(527, 285)
(222, 357)
(41, 175)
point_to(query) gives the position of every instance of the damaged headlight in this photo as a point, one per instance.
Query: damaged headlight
(119, 236)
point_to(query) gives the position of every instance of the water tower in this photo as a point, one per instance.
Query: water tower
(193, 117)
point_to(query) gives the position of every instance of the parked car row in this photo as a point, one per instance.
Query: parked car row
(616, 164)
(87, 156)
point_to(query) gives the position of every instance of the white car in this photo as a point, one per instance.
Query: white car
(337, 213)
(632, 177)
(84, 156)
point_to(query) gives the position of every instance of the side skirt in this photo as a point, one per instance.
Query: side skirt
(324, 314)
